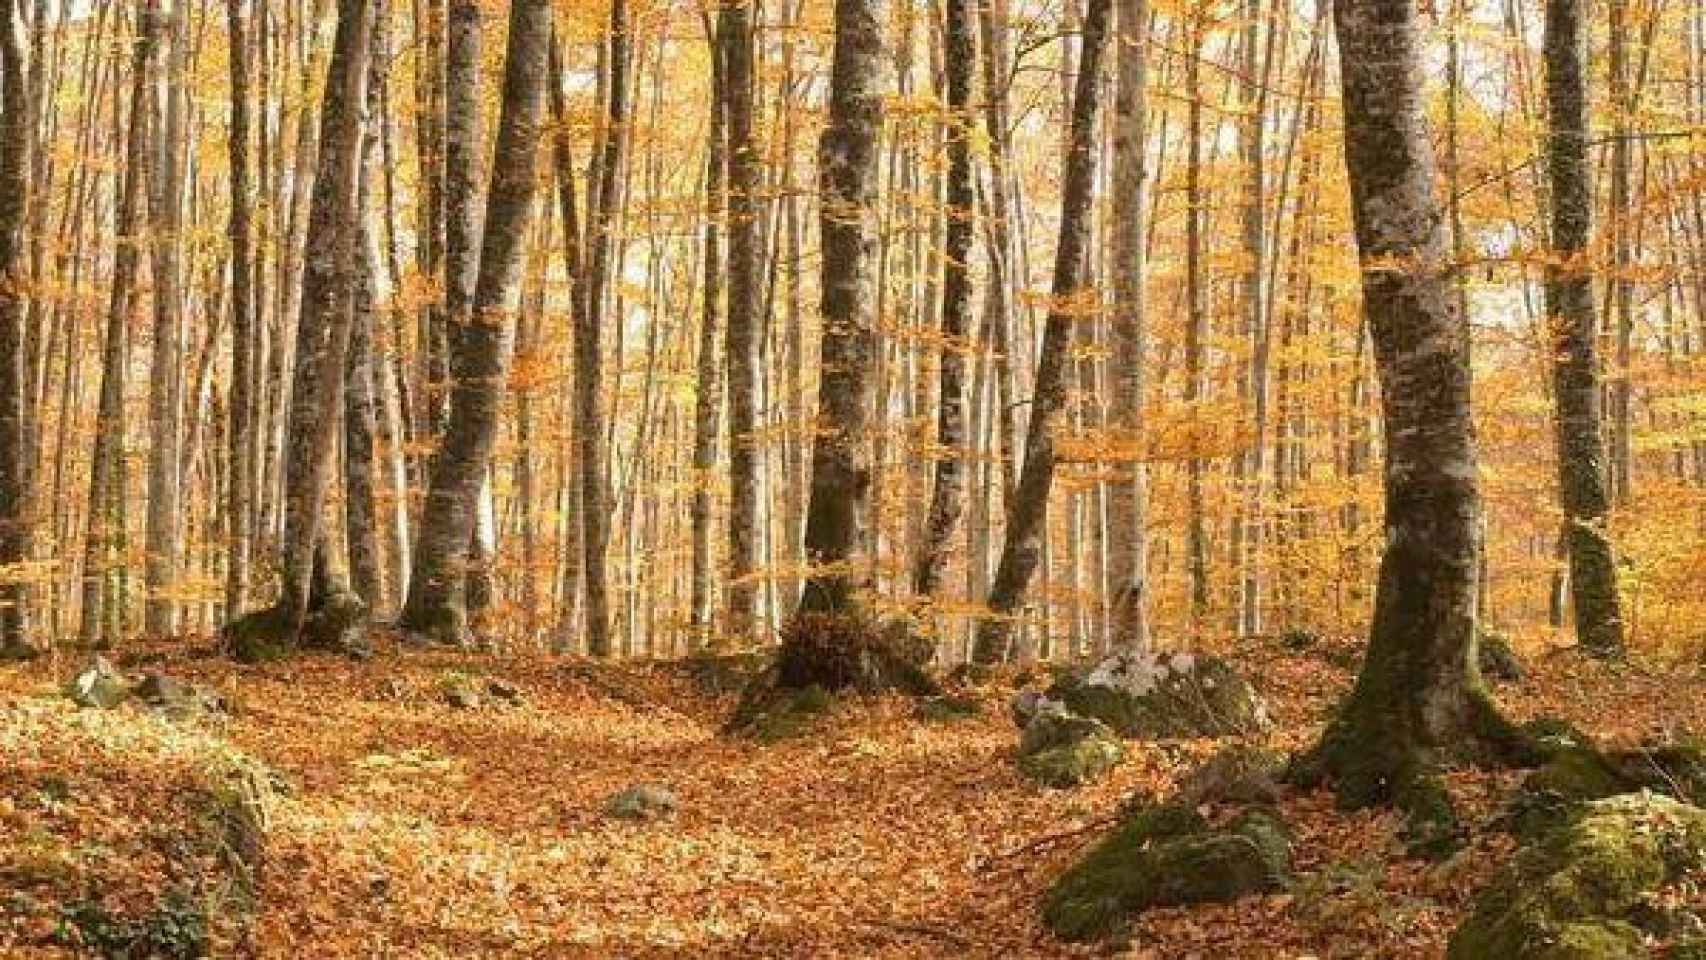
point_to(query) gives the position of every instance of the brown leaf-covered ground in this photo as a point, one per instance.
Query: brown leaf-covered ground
(412, 829)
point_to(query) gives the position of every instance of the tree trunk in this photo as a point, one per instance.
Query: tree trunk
(1419, 699)
(847, 177)
(1196, 323)
(1025, 518)
(589, 327)
(948, 496)
(243, 428)
(1128, 501)
(708, 399)
(1570, 316)
(323, 329)
(480, 349)
(743, 338)
(361, 399)
(14, 141)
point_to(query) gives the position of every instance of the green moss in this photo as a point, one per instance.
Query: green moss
(1431, 828)
(1166, 856)
(1688, 948)
(1597, 870)
(260, 637)
(1072, 764)
(768, 713)
(947, 708)
(1497, 658)
(1552, 735)
(1608, 940)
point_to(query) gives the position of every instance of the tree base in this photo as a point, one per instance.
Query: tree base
(845, 650)
(1380, 753)
(437, 624)
(337, 622)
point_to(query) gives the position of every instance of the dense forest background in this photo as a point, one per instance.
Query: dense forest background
(654, 439)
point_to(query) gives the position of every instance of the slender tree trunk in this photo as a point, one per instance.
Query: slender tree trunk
(574, 553)
(1128, 501)
(480, 349)
(589, 326)
(1570, 317)
(708, 399)
(165, 399)
(361, 400)
(947, 499)
(1196, 323)
(744, 334)
(243, 425)
(1419, 698)
(1025, 518)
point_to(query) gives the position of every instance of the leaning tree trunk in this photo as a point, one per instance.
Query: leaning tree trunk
(1569, 306)
(1025, 520)
(480, 349)
(847, 176)
(1419, 699)
(948, 496)
(1128, 496)
(14, 140)
(322, 340)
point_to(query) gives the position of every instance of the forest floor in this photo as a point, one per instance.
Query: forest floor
(408, 828)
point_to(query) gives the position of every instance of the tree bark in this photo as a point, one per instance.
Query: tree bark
(243, 428)
(1128, 504)
(847, 178)
(1570, 316)
(1025, 519)
(708, 398)
(742, 344)
(1419, 699)
(480, 349)
(15, 117)
(948, 496)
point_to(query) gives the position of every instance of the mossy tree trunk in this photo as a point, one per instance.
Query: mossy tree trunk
(847, 174)
(1570, 313)
(1419, 700)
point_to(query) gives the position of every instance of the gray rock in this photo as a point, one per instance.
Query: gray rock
(1061, 749)
(177, 699)
(1154, 695)
(98, 685)
(1027, 704)
(643, 801)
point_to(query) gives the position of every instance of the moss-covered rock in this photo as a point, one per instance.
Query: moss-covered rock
(99, 685)
(1166, 856)
(1060, 749)
(1583, 887)
(1431, 827)
(1155, 695)
(1240, 773)
(1578, 774)
(769, 713)
(1498, 658)
(1552, 735)
(1073, 764)
(1687, 948)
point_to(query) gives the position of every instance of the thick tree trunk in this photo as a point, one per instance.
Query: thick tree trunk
(1419, 699)
(847, 177)
(1128, 504)
(15, 119)
(361, 396)
(1570, 316)
(744, 335)
(948, 496)
(1025, 519)
(480, 349)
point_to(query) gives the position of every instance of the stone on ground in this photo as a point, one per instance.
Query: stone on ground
(1160, 695)
(1586, 890)
(1498, 658)
(643, 801)
(1167, 856)
(1240, 773)
(99, 685)
(1061, 750)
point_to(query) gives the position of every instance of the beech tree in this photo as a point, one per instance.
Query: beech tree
(1419, 700)
(482, 345)
(1570, 312)
(14, 141)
